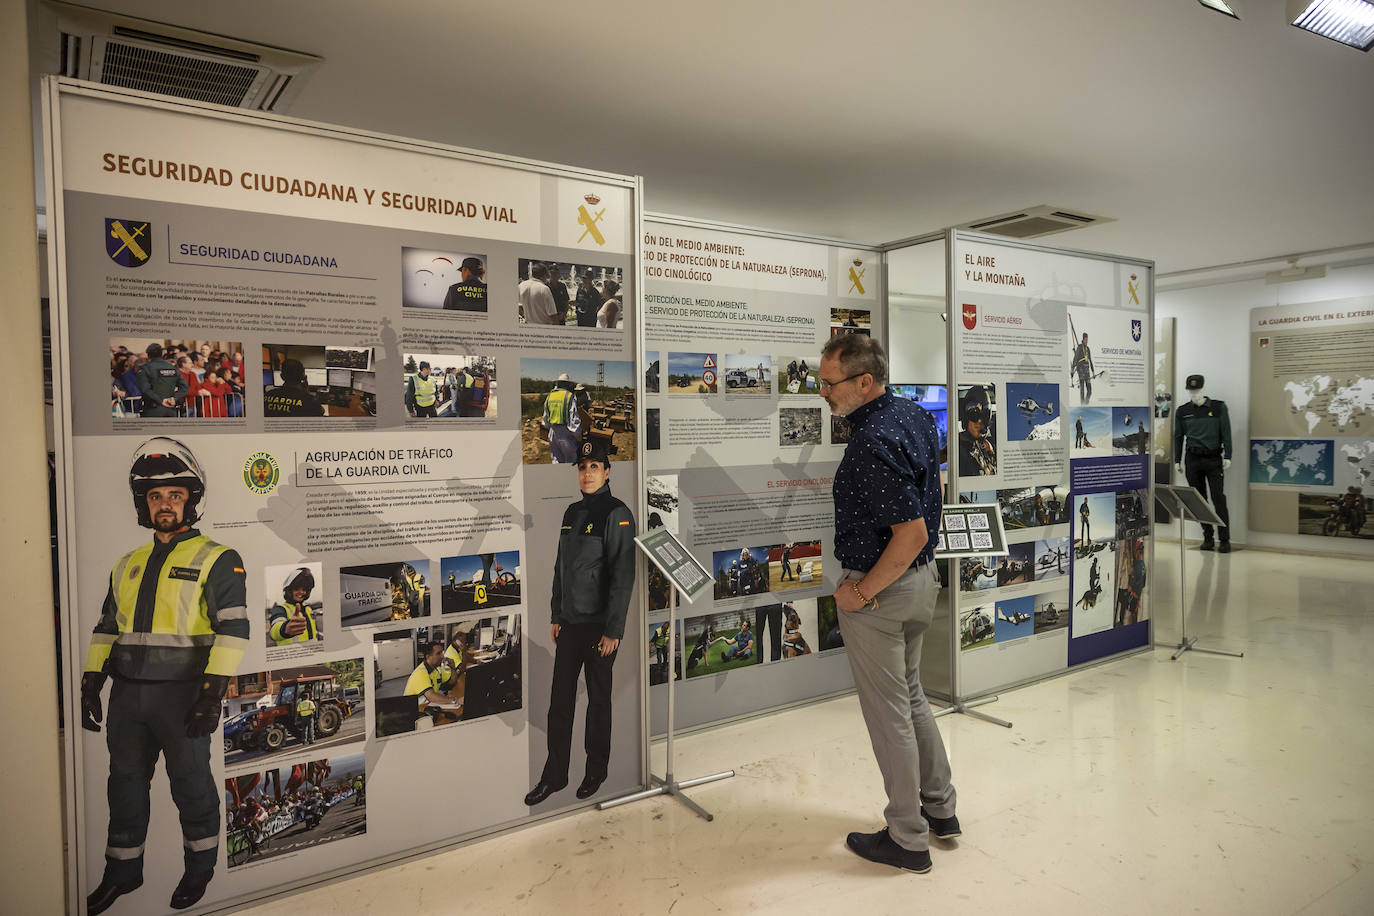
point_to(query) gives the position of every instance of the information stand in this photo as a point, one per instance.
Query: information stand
(968, 530)
(689, 577)
(1186, 502)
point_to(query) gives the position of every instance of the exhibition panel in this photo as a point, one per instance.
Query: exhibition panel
(1311, 412)
(740, 454)
(347, 380)
(1046, 345)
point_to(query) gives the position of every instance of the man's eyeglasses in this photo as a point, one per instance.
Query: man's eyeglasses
(825, 385)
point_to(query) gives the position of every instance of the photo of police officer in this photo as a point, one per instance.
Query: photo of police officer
(295, 606)
(850, 321)
(593, 580)
(301, 380)
(449, 386)
(443, 280)
(563, 401)
(395, 589)
(977, 444)
(741, 571)
(166, 377)
(171, 634)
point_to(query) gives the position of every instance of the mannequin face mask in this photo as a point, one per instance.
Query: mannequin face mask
(1197, 397)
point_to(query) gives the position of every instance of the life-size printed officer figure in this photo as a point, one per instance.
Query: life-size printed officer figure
(593, 578)
(1202, 436)
(171, 633)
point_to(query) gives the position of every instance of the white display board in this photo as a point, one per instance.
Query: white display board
(309, 271)
(741, 451)
(1031, 432)
(1312, 420)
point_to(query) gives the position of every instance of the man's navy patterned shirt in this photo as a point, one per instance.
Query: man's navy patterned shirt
(890, 474)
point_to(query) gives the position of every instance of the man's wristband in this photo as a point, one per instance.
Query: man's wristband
(854, 584)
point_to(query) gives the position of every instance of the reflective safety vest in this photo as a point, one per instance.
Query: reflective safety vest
(422, 679)
(309, 634)
(176, 640)
(453, 656)
(305, 708)
(425, 389)
(559, 406)
(660, 638)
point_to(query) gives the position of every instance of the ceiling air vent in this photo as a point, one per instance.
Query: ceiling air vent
(1034, 222)
(151, 56)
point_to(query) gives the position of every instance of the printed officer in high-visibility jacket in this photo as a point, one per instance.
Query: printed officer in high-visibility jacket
(172, 632)
(293, 620)
(593, 578)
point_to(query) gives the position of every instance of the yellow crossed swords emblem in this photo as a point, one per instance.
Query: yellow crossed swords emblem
(856, 279)
(1133, 289)
(588, 221)
(118, 231)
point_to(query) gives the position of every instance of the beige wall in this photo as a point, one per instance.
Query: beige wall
(31, 864)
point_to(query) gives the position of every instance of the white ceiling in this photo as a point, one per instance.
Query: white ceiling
(1209, 140)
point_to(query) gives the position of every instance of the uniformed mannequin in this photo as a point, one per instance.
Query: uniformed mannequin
(1202, 433)
(593, 578)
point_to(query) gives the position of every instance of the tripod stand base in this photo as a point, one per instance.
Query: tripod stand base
(967, 709)
(1188, 644)
(669, 786)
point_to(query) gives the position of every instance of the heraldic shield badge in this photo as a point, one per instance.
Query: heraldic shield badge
(128, 242)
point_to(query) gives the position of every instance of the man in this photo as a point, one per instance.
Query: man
(659, 642)
(292, 398)
(588, 301)
(161, 385)
(422, 393)
(1083, 366)
(427, 680)
(593, 578)
(977, 456)
(305, 716)
(1084, 514)
(293, 620)
(741, 645)
(1202, 431)
(1080, 438)
(562, 420)
(887, 512)
(1141, 439)
(452, 662)
(469, 294)
(171, 633)
(536, 299)
(560, 293)
(748, 571)
(786, 563)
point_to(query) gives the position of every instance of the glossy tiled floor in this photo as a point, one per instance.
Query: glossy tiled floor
(1210, 784)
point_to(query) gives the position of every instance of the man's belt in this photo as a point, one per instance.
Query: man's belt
(1205, 452)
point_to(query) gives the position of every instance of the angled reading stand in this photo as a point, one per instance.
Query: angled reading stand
(686, 575)
(1183, 502)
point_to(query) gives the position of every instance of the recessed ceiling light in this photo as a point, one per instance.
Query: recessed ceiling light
(1351, 22)
(1221, 7)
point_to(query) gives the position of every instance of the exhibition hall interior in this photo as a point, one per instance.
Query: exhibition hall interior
(618, 458)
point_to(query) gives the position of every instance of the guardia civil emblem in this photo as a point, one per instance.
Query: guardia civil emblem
(1135, 329)
(261, 473)
(128, 242)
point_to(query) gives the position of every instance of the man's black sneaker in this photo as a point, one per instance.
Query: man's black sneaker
(1225, 547)
(1207, 544)
(881, 848)
(942, 828)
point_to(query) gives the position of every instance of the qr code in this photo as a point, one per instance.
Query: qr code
(982, 540)
(958, 542)
(978, 520)
(954, 523)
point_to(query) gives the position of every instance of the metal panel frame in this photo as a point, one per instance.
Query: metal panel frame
(53, 90)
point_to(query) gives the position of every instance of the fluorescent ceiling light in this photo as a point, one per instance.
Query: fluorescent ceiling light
(1351, 22)
(1221, 7)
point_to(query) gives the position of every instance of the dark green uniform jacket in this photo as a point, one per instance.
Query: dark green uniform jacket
(1206, 428)
(594, 574)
